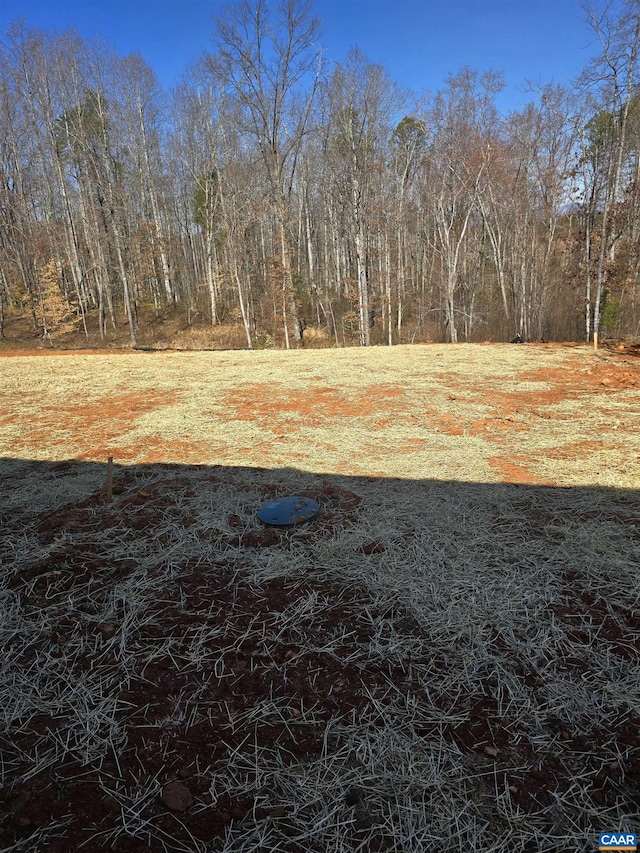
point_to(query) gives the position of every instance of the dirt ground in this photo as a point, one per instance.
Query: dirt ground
(160, 643)
(545, 414)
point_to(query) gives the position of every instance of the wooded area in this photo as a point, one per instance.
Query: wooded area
(308, 203)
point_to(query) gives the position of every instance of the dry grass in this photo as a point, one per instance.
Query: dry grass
(217, 337)
(444, 661)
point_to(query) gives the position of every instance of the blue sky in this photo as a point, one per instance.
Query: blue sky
(419, 42)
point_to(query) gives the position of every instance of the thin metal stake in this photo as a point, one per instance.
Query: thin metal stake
(110, 479)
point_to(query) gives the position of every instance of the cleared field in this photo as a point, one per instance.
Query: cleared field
(447, 659)
(546, 414)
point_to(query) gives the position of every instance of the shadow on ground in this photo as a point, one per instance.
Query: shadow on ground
(428, 665)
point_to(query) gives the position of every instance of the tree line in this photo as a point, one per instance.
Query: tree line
(302, 201)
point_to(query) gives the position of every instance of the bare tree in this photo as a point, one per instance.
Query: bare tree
(143, 113)
(268, 201)
(360, 102)
(408, 146)
(614, 73)
(463, 119)
(272, 66)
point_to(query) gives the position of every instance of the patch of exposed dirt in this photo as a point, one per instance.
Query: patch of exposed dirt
(98, 423)
(47, 351)
(558, 385)
(579, 449)
(259, 402)
(607, 375)
(513, 469)
(497, 427)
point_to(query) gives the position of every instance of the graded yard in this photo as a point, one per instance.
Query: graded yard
(528, 414)
(446, 659)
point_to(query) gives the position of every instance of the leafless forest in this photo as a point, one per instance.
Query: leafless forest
(302, 201)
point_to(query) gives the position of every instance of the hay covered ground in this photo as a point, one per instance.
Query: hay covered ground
(447, 659)
(544, 414)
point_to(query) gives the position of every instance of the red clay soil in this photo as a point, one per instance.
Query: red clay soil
(601, 375)
(36, 353)
(514, 469)
(256, 401)
(100, 424)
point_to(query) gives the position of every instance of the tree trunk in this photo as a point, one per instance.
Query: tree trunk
(361, 264)
(243, 310)
(288, 291)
